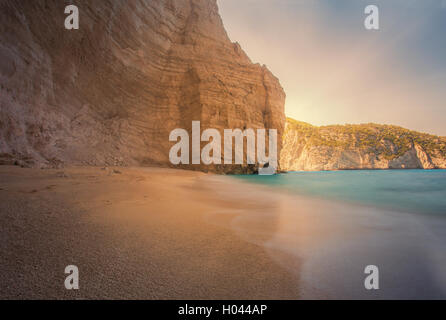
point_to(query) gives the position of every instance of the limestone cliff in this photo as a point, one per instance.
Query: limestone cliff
(368, 146)
(111, 92)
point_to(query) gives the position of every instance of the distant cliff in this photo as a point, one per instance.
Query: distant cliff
(111, 92)
(365, 146)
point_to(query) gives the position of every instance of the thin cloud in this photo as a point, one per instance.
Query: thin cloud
(335, 71)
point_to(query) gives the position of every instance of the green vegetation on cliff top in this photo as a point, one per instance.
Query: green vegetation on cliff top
(385, 140)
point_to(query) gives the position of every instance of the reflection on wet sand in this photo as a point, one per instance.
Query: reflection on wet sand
(328, 244)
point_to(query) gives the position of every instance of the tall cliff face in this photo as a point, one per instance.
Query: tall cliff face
(112, 91)
(369, 146)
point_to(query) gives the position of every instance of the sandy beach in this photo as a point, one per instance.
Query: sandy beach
(134, 233)
(153, 233)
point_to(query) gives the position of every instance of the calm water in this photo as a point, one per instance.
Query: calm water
(392, 219)
(421, 191)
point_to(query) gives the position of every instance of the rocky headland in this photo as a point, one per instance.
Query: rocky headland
(364, 146)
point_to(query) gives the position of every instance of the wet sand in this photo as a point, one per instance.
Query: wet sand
(332, 242)
(134, 233)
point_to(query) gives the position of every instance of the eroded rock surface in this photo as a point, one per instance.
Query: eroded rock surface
(111, 92)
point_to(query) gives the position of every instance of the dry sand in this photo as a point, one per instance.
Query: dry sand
(136, 233)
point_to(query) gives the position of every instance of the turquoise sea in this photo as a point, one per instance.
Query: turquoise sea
(419, 191)
(335, 223)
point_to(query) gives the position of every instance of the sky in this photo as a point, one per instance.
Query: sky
(334, 71)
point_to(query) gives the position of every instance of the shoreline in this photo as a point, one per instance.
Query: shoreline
(334, 240)
(155, 233)
(367, 169)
